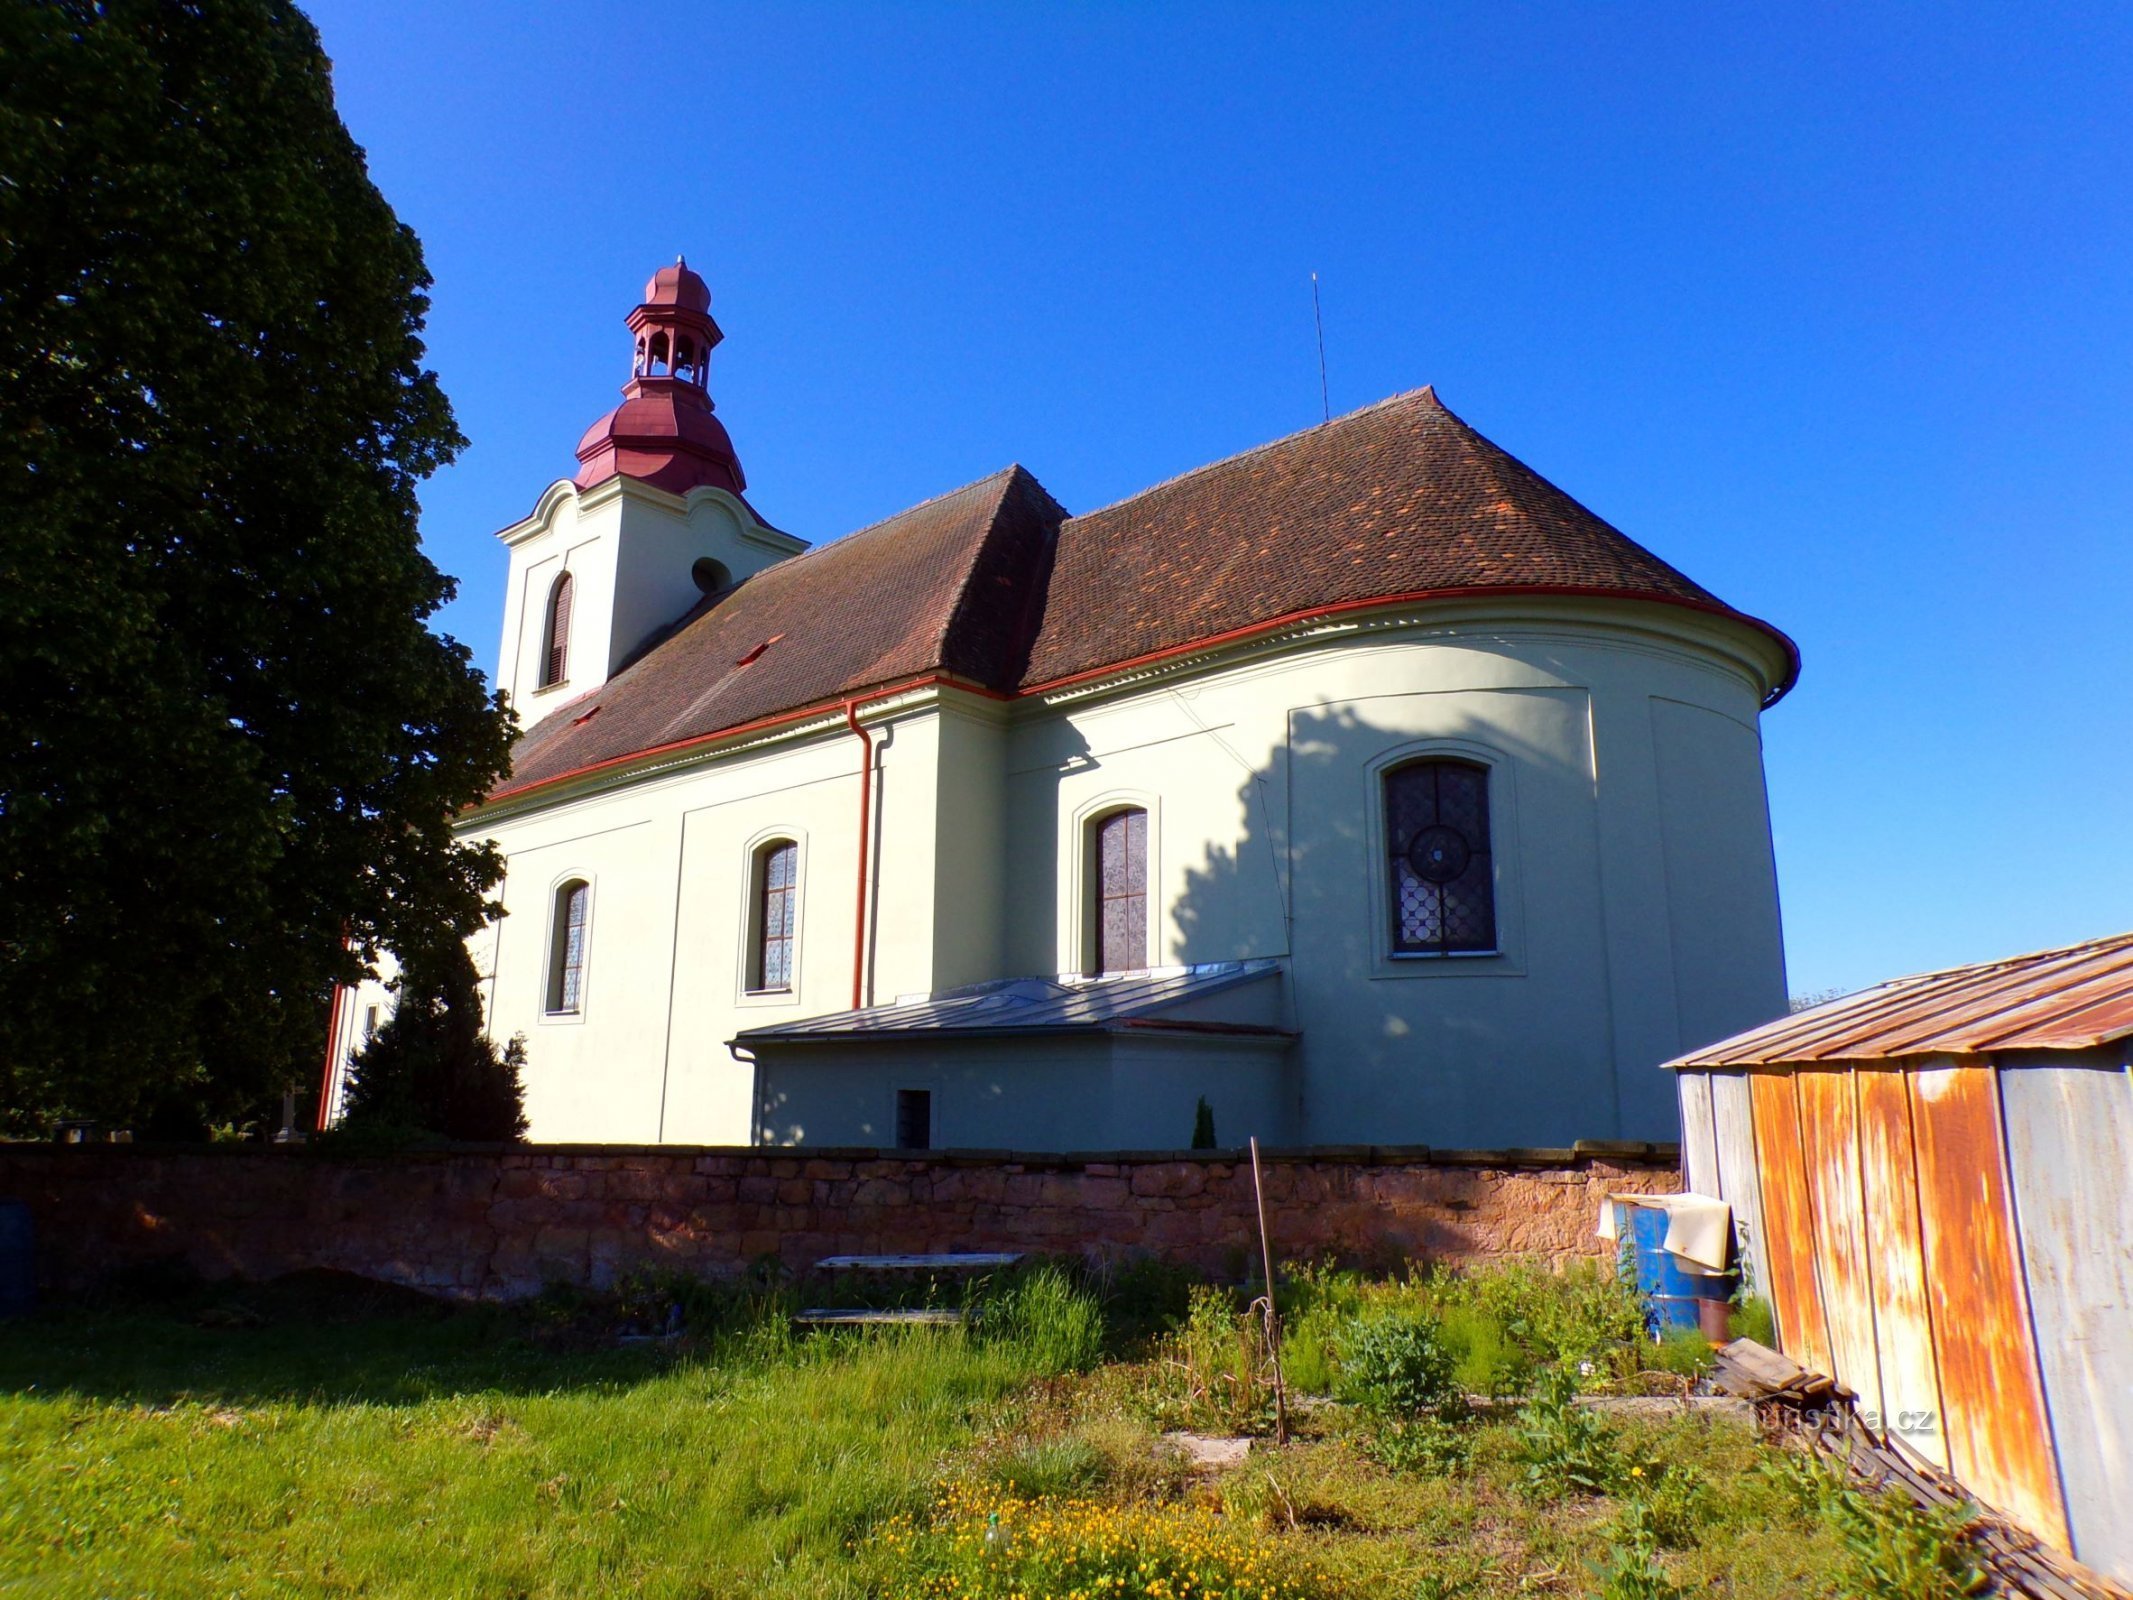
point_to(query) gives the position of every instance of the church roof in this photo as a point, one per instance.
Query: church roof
(996, 586)
(948, 586)
(1400, 498)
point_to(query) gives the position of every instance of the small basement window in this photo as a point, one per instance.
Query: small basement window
(914, 1119)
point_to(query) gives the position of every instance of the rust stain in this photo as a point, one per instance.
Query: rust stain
(1999, 1442)
(2055, 999)
(1788, 1223)
(1829, 1152)
(1896, 1260)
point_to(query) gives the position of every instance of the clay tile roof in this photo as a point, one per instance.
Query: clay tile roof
(947, 586)
(1400, 498)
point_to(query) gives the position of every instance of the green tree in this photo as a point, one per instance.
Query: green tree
(430, 1070)
(230, 749)
(1203, 1125)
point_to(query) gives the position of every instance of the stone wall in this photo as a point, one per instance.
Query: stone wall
(500, 1222)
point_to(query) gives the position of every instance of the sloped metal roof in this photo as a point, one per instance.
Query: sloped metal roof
(2069, 999)
(1037, 1005)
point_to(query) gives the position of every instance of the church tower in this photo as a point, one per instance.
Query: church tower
(653, 521)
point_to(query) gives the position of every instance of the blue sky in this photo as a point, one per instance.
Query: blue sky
(1830, 306)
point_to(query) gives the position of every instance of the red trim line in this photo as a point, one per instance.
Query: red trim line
(1412, 596)
(813, 708)
(1171, 652)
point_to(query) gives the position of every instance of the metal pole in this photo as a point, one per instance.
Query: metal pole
(1273, 1317)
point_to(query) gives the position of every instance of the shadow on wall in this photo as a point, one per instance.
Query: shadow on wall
(1515, 1048)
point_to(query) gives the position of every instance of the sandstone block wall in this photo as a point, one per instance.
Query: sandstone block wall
(499, 1223)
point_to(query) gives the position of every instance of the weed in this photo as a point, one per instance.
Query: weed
(1894, 1550)
(1684, 1352)
(1396, 1364)
(1752, 1318)
(1057, 1326)
(1632, 1570)
(1565, 1447)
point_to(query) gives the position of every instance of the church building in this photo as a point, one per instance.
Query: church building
(1363, 786)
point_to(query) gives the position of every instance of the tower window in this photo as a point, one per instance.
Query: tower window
(1119, 890)
(566, 948)
(555, 634)
(1440, 870)
(777, 893)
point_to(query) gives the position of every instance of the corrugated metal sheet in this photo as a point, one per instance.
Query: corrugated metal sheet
(1829, 1148)
(2070, 1159)
(1733, 1115)
(1788, 1222)
(1896, 1257)
(1998, 1439)
(1019, 1005)
(2065, 999)
(1699, 1136)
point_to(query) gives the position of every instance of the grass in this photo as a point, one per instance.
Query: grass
(296, 1442)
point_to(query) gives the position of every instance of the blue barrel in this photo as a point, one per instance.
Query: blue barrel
(1670, 1293)
(18, 1261)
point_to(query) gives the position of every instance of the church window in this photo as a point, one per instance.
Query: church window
(566, 950)
(1440, 871)
(777, 893)
(555, 636)
(1119, 890)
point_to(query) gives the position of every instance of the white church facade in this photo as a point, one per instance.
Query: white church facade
(1364, 786)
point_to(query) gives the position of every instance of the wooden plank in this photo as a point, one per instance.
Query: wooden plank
(1733, 1116)
(1699, 1136)
(1999, 1442)
(1896, 1258)
(914, 1317)
(1788, 1226)
(1829, 1150)
(2069, 1134)
(949, 1262)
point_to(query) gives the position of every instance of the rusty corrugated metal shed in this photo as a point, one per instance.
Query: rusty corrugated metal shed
(2068, 999)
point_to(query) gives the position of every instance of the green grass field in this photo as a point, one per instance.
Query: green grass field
(244, 1444)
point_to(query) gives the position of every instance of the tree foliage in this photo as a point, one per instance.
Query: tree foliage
(230, 749)
(430, 1070)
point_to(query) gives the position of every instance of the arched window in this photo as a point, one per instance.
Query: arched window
(555, 636)
(566, 948)
(1441, 873)
(777, 894)
(1119, 892)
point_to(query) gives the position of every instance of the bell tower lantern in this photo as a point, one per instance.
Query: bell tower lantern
(653, 523)
(663, 433)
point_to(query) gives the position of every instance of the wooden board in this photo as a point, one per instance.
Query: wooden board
(1699, 1136)
(919, 1317)
(2070, 1162)
(1733, 1116)
(1999, 1442)
(951, 1262)
(1788, 1222)
(1896, 1258)
(1829, 1151)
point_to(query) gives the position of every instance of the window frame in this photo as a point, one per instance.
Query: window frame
(754, 925)
(896, 1118)
(1390, 857)
(551, 672)
(1092, 888)
(1508, 958)
(555, 950)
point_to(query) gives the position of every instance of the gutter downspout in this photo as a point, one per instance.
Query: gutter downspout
(333, 1050)
(866, 834)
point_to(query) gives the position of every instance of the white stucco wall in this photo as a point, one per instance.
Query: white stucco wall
(1636, 896)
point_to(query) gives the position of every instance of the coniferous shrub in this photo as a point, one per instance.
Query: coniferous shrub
(1203, 1125)
(431, 1071)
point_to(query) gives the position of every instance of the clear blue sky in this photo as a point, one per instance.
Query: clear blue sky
(1830, 306)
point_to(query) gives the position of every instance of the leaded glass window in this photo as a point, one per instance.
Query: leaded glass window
(1122, 892)
(1440, 870)
(566, 962)
(777, 872)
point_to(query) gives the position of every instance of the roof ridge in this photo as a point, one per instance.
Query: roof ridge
(1428, 392)
(878, 523)
(1019, 478)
